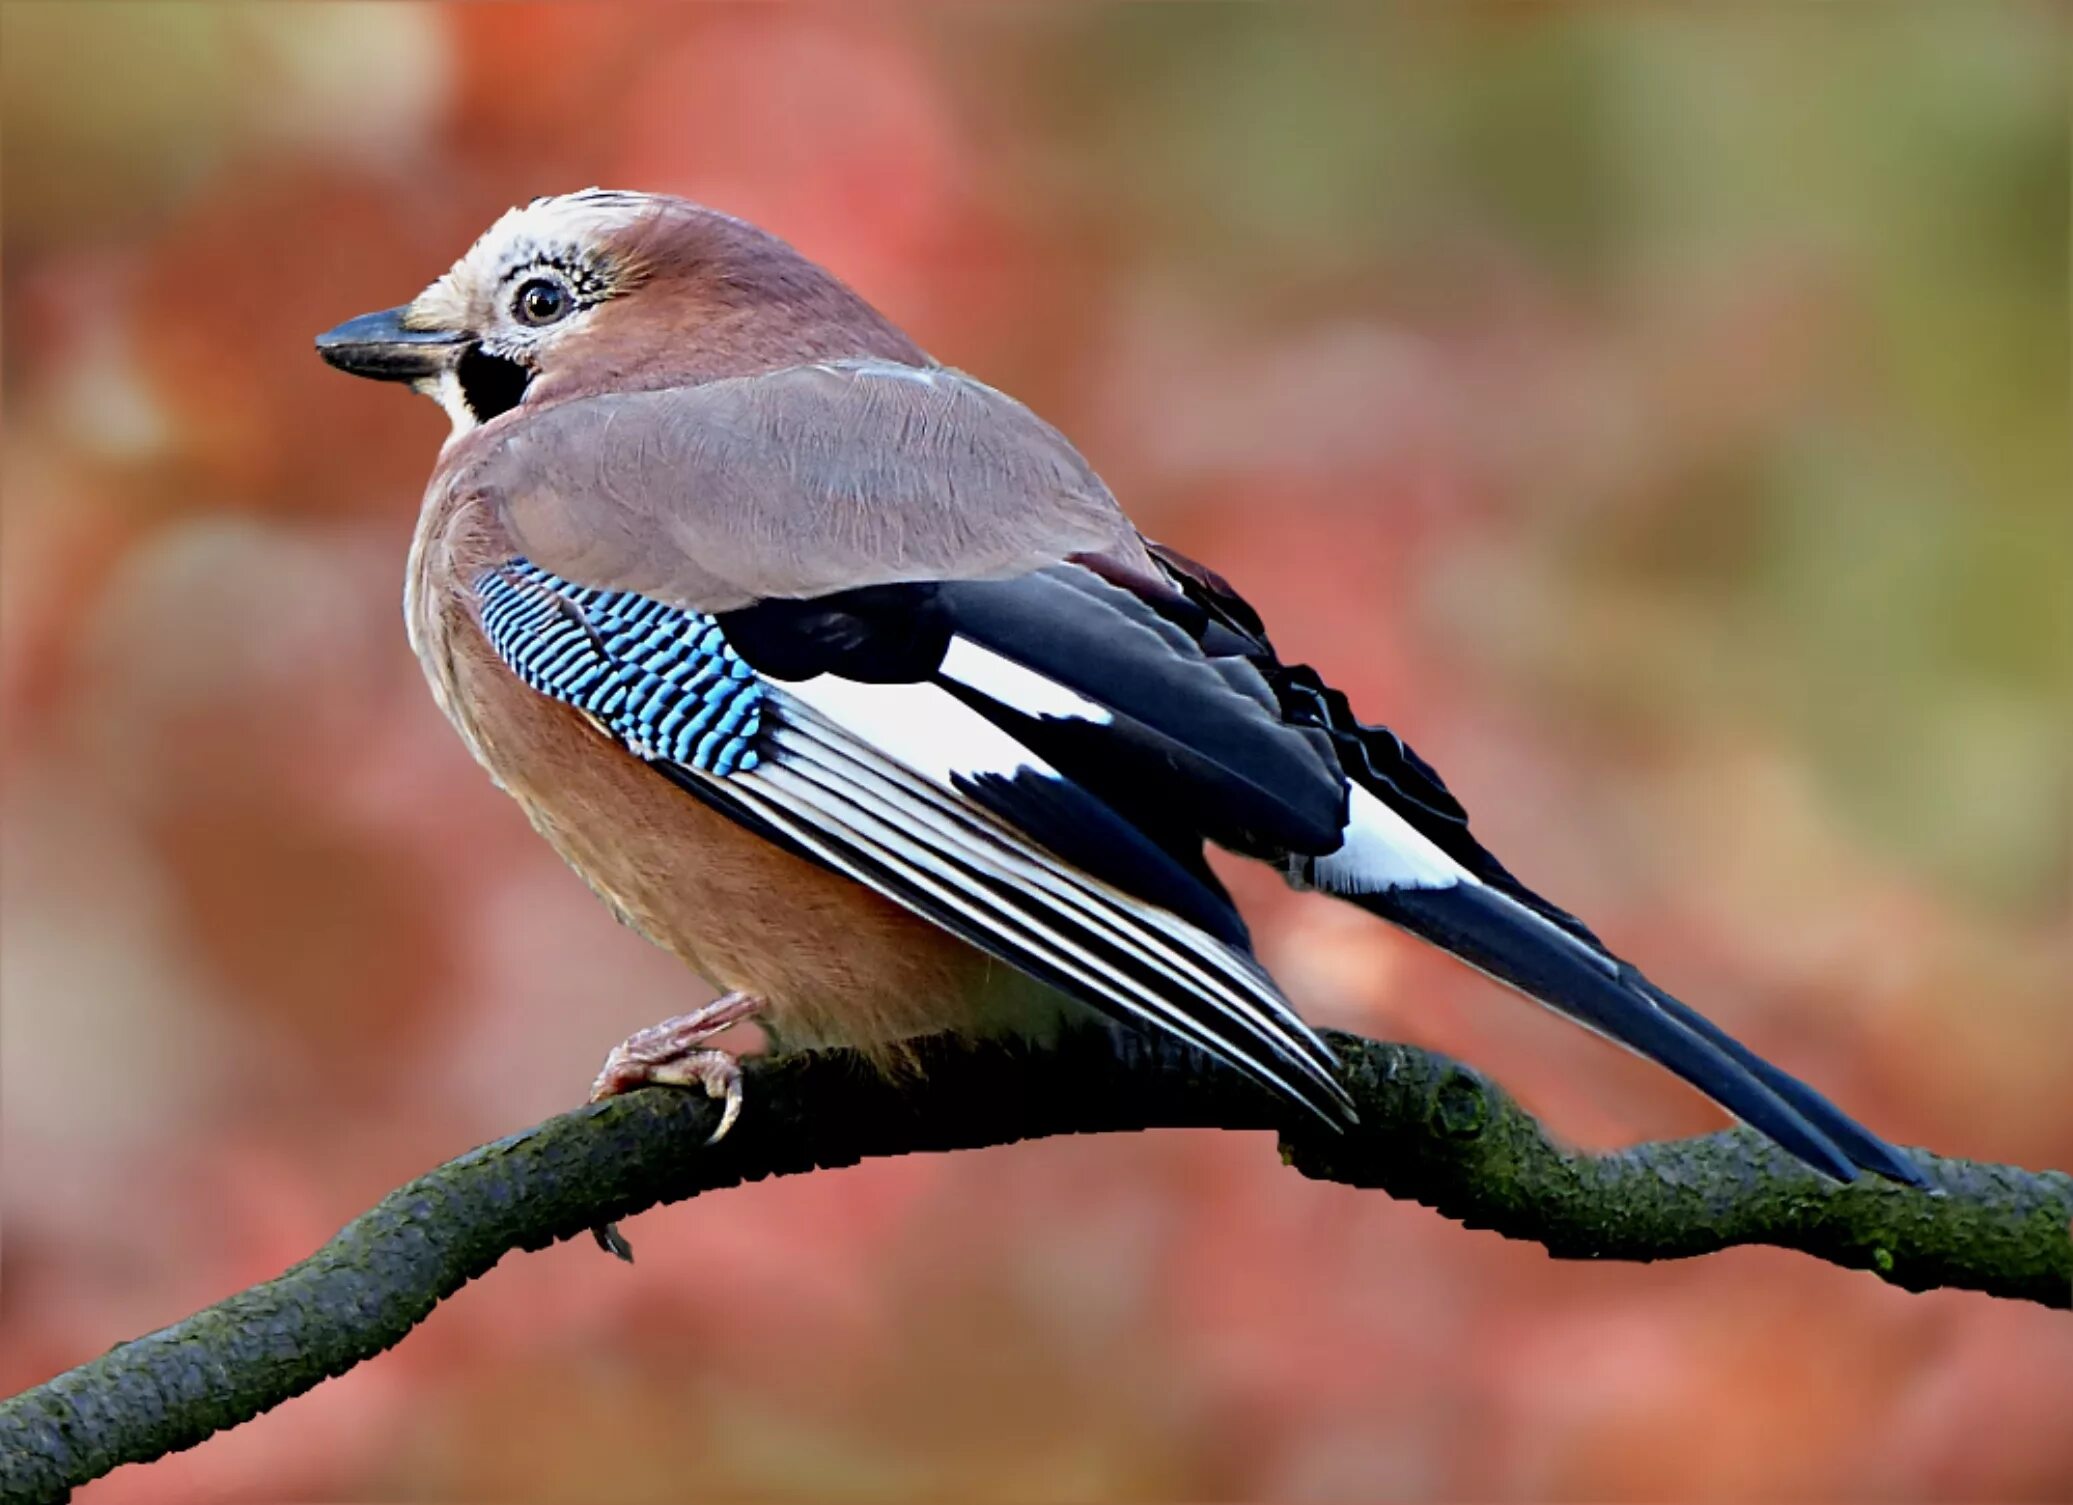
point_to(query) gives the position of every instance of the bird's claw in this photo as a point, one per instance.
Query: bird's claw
(673, 1054)
(714, 1070)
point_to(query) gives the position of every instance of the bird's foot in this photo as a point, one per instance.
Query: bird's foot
(673, 1054)
(669, 1054)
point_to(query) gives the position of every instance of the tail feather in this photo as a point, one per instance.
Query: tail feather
(1863, 1147)
(1495, 935)
(1386, 868)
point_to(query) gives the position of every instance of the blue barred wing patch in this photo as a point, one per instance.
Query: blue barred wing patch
(664, 681)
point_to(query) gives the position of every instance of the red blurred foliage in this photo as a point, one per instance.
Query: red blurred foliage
(273, 944)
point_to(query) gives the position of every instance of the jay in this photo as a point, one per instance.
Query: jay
(840, 675)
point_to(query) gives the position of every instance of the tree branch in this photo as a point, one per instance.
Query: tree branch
(1430, 1130)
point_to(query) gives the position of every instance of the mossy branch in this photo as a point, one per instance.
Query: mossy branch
(1430, 1130)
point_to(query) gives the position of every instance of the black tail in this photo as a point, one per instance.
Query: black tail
(1498, 925)
(1864, 1148)
(1497, 935)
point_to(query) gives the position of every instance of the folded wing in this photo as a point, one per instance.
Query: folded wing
(910, 790)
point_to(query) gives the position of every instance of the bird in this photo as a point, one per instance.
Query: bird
(843, 677)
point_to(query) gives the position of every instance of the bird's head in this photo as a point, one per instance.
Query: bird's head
(608, 291)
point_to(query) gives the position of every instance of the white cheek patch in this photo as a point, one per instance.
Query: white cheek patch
(445, 389)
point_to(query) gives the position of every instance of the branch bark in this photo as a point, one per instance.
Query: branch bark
(1431, 1130)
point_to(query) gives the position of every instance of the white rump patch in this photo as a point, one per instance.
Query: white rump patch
(1382, 850)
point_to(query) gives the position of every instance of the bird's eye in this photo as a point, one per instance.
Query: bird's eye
(541, 301)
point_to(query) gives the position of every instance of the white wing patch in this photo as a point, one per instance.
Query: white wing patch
(919, 725)
(1016, 687)
(864, 777)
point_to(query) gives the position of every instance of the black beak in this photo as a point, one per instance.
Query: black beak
(381, 346)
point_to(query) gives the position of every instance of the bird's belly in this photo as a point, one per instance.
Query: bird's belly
(835, 963)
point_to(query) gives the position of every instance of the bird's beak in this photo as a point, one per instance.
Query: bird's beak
(383, 347)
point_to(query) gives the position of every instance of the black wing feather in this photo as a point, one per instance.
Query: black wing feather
(1189, 734)
(1372, 755)
(1193, 747)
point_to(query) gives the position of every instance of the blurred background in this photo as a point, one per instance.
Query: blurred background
(1660, 417)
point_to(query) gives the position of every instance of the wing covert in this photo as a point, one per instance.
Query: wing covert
(798, 482)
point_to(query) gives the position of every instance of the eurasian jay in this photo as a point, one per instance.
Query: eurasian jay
(841, 675)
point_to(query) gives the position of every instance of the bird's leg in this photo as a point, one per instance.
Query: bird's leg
(674, 1054)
